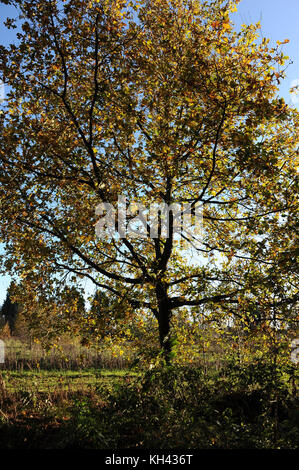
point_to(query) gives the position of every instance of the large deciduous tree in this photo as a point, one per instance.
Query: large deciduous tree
(161, 101)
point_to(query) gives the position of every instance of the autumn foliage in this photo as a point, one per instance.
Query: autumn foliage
(160, 101)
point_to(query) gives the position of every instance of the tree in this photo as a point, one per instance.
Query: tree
(102, 319)
(102, 311)
(51, 316)
(161, 102)
(10, 310)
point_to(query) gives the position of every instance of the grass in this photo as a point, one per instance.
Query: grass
(172, 408)
(45, 403)
(66, 355)
(40, 408)
(51, 380)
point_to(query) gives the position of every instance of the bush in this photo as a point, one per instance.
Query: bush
(184, 408)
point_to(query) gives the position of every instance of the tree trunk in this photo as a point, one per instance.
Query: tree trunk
(163, 317)
(164, 330)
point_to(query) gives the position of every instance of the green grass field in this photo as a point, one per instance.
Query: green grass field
(75, 398)
(53, 380)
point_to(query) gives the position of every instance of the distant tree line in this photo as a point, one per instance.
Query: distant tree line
(9, 312)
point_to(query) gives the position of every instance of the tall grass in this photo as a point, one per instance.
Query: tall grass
(20, 355)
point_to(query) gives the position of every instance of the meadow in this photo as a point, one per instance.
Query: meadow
(73, 397)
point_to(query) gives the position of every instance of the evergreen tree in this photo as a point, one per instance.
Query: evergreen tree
(10, 311)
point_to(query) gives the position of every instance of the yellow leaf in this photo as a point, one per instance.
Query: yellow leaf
(226, 26)
(283, 42)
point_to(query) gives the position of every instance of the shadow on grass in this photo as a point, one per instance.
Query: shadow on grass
(172, 408)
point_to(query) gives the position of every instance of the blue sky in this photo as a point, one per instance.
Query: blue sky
(279, 20)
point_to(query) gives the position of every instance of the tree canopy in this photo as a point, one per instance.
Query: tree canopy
(161, 101)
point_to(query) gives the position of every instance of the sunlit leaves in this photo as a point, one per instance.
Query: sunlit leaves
(160, 101)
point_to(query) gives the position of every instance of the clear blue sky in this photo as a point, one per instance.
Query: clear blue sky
(279, 20)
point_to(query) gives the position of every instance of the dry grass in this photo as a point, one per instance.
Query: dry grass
(66, 356)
